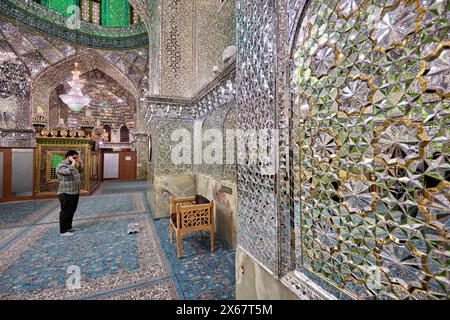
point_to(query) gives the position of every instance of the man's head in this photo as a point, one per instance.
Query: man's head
(72, 153)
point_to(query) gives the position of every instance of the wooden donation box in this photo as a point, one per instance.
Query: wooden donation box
(51, 149)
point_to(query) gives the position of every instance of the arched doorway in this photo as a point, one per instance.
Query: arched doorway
(124, 134)
(106, 135)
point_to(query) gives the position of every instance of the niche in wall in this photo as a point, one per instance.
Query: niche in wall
(124, 134)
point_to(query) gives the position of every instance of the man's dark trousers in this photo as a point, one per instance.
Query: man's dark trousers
(69, 203)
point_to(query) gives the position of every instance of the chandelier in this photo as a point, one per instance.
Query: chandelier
(75, 99)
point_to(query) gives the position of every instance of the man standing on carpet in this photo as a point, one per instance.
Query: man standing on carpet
(69, 176)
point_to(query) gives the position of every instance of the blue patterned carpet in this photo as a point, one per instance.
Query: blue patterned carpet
(200, 273)
(119, 186)
(89, 206)
(94, 249)
(14, 214)
(113, 264)
(104, 206)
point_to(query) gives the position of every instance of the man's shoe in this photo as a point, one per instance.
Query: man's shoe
(73, 230)
(66, 234)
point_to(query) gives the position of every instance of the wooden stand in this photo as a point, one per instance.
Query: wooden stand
(187, 216)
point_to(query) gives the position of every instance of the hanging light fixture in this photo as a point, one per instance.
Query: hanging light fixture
(75, 99)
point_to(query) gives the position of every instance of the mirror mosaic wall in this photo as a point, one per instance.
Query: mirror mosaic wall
(360, 202)
(371, 151)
